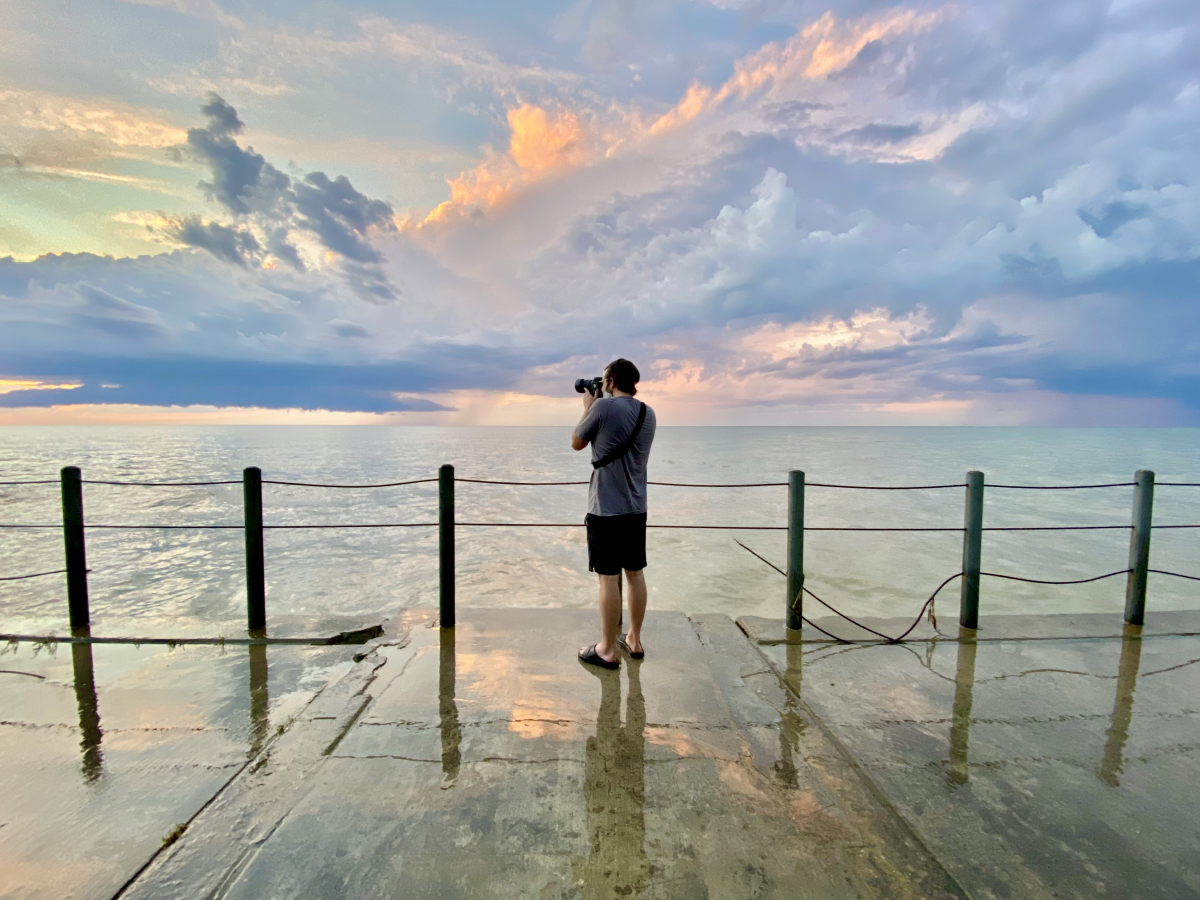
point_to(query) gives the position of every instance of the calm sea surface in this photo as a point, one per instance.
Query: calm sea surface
(166, 575)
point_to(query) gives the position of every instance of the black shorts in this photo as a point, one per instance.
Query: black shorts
(616, 543)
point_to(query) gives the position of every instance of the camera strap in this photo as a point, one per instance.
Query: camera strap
(627, 444)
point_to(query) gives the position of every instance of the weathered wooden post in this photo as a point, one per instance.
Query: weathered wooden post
(446, 546)
(795, 550)
(256, 575)
(1139, 547)
(968, 611)
(72, 508)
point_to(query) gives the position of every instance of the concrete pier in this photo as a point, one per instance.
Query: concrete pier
(1055, 759)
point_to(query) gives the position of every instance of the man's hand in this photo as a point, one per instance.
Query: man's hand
(588, 399)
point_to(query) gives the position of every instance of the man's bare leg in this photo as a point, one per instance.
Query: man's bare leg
(637, 608)
(610, 616)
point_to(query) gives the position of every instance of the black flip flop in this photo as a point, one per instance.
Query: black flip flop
(625, 647)
(592, 658)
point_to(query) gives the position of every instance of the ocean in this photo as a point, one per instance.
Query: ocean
(165, 576)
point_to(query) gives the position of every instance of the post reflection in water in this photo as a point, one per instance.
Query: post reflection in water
(90, 733)
(448, 710)
(615, 794)
(790, 721)
(1118, 730)
(960, 721)
(260, 698)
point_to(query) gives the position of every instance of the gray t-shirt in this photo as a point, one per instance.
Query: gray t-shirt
(620, 487)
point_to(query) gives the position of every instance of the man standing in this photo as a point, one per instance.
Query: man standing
(620, 430)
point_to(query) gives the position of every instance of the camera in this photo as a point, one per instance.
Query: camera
(591, 385)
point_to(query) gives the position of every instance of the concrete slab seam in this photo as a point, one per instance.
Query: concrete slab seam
(872, 786)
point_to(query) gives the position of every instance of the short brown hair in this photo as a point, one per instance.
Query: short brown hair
(625, 375)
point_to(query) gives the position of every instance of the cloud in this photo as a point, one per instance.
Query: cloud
(100, 310)
(340, 216)
(824, 47)
(971, 214)
(242, 179)
(345, 329)
(271, 209)
(120, 124)
(540, 143)
(16, 385)
(225, 243)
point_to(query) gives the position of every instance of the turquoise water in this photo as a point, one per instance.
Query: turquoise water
(165, 575)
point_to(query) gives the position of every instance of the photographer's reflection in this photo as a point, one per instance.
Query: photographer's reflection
(615, 794)
(90, 732)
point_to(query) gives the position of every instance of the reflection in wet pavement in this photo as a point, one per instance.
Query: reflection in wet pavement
(615, 793)
(1025, 765)
(482, 768)
(960, 723)
(115, 745)
(1122, 713)
(447, 709)
(84, 679)
(260, 698)
(462, 764)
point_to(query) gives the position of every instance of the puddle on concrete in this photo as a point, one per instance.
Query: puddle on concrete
(107, 748)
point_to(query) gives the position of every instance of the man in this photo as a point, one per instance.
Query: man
(620, 430)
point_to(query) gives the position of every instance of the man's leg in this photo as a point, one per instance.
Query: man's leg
(637, 608)
(610, 615)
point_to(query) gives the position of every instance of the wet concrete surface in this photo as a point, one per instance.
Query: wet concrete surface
(1044, 767)
(105, 749)
(486, 762)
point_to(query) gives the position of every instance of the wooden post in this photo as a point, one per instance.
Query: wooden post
(795, 550)
(1139, 547)
(968, 612)
(72, 508)
(256, 576)
(446, 546)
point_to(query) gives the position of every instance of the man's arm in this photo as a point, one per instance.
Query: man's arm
(588, 424)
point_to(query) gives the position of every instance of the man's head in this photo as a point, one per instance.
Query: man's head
(622, 375)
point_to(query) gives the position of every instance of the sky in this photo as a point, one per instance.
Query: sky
(783, 211)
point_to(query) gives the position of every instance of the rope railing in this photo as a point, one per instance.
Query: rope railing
(687, 484)
(972, 530)
(950, 529)
(34, 575)
(161, 483)
(388, 484)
